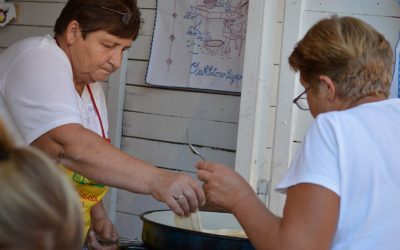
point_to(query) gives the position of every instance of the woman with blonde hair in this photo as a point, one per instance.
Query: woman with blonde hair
(339, 186)
(39, 208)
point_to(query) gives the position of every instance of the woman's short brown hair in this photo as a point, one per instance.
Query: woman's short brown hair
(354, 55)
(120, 18)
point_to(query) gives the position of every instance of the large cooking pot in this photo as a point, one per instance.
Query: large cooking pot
(161, 232)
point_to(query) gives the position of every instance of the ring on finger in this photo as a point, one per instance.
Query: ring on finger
(178, 197)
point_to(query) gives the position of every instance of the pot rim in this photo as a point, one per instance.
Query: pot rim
(142, 217)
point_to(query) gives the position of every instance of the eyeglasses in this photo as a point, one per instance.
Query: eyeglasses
(126, 17)
(302, 102)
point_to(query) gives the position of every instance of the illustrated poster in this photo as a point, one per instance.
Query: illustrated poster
(199, 44)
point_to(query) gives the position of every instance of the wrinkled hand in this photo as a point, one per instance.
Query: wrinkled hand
(224, 187)
(180, 192)
(97, 243)
(102, 234)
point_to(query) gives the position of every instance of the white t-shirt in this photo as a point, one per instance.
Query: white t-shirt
(37, 92)
(356, 154)
(89, 117)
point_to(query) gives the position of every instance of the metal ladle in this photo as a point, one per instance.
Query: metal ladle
(191, 147)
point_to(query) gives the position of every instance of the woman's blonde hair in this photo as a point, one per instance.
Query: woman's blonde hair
(354, 55)
(39, 208)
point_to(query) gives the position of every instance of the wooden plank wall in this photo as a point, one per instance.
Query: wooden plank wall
(155, 122)
(155, 119)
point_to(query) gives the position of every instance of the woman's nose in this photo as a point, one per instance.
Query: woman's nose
(116, 58)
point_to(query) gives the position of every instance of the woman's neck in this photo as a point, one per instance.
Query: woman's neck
(367, 99)
(79, 86)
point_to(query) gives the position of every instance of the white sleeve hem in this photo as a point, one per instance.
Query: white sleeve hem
(40, 131)
(312, 179)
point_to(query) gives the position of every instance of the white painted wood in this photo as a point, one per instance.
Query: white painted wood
(45, 1)
(31, 13)
(137, 72)
(128, 202)
(149, 16)
(12, 33)
(208, 106)
(140, 48)
(284, 121)
(115, 104)
(388, 26)
(274, 77)
(149, 4)
(38, 13)
(202, 132)
(173, 129)
(302, 121)
(252, 161)
(173, 155)
(386, 8)
(129, 226)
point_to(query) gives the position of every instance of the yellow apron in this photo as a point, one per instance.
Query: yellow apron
(89, 193)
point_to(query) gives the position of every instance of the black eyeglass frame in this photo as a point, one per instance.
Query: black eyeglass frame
(295, 100)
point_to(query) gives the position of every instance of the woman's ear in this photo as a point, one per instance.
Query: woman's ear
(327, 87)
(72, 32)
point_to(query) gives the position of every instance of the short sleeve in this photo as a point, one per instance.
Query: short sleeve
(40, 94)
(317, 160)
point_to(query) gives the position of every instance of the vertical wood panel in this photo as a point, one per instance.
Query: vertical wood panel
(284, 122)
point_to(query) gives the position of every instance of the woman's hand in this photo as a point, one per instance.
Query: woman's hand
(102, 234)
(96, 243)
(180, 192)
(224, 187)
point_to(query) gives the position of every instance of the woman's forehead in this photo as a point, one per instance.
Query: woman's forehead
(105, 36)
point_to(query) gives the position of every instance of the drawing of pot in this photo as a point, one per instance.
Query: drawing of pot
(214, 46)
(209, 4)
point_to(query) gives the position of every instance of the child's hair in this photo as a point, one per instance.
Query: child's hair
(39, 208)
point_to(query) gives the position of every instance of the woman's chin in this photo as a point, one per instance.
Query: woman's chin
(100, 77)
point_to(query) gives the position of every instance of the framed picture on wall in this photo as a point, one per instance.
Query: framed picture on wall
(199, 44)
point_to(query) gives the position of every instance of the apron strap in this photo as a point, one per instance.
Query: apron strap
(97, 112)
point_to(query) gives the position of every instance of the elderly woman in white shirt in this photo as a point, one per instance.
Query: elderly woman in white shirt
(338, 186)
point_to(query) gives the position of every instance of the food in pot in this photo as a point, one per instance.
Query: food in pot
(191, 222)
(226, 232)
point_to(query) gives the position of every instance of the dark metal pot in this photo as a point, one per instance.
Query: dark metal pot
(160, 232)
